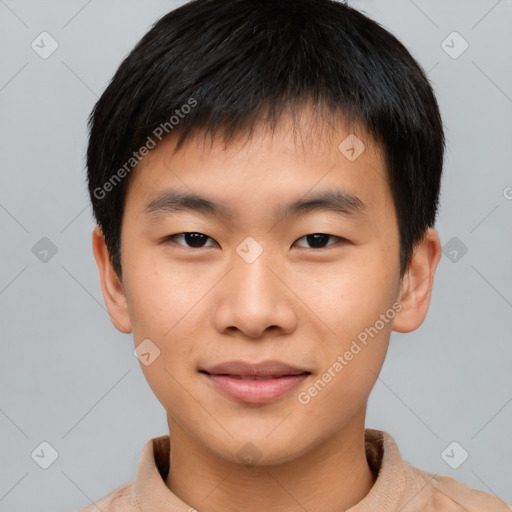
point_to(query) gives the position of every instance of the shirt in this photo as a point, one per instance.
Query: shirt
(398, 485)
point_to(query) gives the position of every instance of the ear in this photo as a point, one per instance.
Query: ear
(417, 282)
(111, 286)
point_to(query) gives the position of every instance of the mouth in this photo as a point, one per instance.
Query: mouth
(255, 383)
(252, 377)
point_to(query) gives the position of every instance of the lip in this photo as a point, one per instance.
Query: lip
(255, 383)
(263, 369)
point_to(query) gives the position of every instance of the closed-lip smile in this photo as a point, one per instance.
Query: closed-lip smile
(255, 383)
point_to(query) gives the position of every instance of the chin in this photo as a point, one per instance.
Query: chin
(256, 451)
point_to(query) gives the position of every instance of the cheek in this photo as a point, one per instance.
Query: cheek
(159, 295)
(350, 300)
(167, 305)
(353, 356)
(158, 311)
(162, 310)
(348, 297)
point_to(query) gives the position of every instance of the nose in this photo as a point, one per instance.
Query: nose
(255, 299)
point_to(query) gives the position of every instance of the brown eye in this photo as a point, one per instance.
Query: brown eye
(191, 239)
(318, 240)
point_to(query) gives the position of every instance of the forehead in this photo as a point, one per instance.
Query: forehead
(268, 169)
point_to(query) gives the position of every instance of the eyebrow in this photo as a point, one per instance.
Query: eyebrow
(335, 201)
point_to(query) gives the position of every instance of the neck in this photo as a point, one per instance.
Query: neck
(331, 477)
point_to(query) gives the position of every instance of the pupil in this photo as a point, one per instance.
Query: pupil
(194, 239)
(317, 240)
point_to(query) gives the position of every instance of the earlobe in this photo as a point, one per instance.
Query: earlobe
(111, 286)
(417, 283)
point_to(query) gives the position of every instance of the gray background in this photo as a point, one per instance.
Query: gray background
(69, 378)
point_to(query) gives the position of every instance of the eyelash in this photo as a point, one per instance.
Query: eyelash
(172, 237)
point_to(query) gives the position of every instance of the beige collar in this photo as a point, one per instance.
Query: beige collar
(150, 493)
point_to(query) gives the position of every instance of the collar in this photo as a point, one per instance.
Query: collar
(150, 493)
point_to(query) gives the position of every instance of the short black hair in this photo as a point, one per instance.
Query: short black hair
(222, 66)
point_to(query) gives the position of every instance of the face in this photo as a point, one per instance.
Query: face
(313, 287)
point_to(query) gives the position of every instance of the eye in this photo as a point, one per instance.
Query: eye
(318, 240)
(192, 239)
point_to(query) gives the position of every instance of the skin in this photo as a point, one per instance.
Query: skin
(297, 304)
